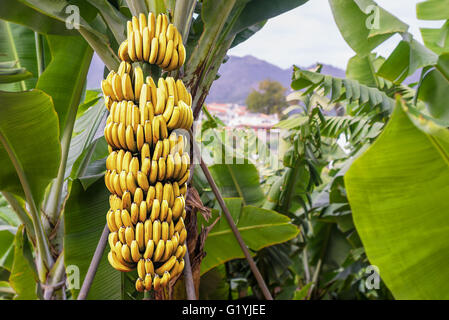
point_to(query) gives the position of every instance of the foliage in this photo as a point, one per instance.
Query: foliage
(268, 99)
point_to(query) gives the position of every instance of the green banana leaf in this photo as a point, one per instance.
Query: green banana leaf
(398, 191)
(84, 221)
(18, 12)
(65, 77)
(352, 21)
(433, 10)
(23, 279)
(29, 137)
(17, 44)
(238, 180)
(259, 228)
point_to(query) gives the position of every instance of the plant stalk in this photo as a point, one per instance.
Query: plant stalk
(40, 53)
(190, 286)
(94, 263)
(249, 258)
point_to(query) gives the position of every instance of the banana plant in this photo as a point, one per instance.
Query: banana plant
(52, 148)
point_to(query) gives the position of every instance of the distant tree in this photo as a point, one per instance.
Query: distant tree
(268, 99)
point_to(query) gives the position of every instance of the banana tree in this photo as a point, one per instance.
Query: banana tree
(52, 146)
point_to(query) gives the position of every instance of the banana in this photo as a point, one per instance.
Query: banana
(164, 231)
(178, 165)
(134, 166)
(182, 56)
(119, 159)
(123, 51)
(156, 231)
(126, 253)
(174, 119)
(149, 267)
(138, 196)
(117, 86)
(147, 282)
(168, 251)
(127, 87)
(181, 267)
(138, 81)
(145, 96)
(126, 161)
(142, 22)
(170, 32)
(152, 23)
(163, 216)
(156, 131)
(174, 61)
(138, 45)
(158, 25)
(144, 152)
(140, 285)
(169, 52)
(167, 194)
(134, 213)
(140, 137)
(160, 101)
(122, 180)
(169, 109)
(142, 181)
(164, 25)
(183, 190)
(170, 220)
(107, 90)
(165, 279)
(156, 283)
(148, 230)
(153, 89)
(130, 142)
(174, 239)
(143, 211)
(118, 219)
(116, 264)
(178, 206)
(172, 90)
(170, 167)
(135, 253)
(162, 48)
(131, 182)
(140, 237)
(165, 148)
(126, 218)
(153, 172)
(167, 266)
(150, 197)
(176, 192)
(180, 88)
(159, 191)
(115, 139)
(112, 239)
(141, 268)
(179, 252)
(161, 169)
(148, 131)
(149, 250)
(163, 128)
(154, 51)
(174, 269)
(180, 226)
(155, 211)
(182, 235)
(129, 235)
(146, 166)
(158, 149)
(185, 178)
(159, 250)
(116, 184)
(135, 24)
(132, 46)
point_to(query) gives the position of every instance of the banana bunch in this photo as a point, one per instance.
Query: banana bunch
(153, 40)
(147, 166)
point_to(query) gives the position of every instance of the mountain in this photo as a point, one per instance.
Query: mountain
(241, 74)
(237, 77)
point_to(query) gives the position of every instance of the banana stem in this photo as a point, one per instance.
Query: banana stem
(39, 53)
(235, 231)
(94, 263)
(190, 286)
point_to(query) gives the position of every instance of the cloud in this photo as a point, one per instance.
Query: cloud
(308, 34)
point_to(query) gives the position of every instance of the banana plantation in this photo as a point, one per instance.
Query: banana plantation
(136, 191)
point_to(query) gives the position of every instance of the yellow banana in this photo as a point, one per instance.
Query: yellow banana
(149, 267)
(138, 82)
(131, 46)
(167, 266)
(156, 231)
(153, 172)
(131, 182)
(154, 51)
(138, 196)
(110, 218)
(165, 279)
(140, 238)
(150, 197)
(149, 250)
(112, 239)
(140, 285)
(159, 250)
(129, 235)
(142, 180)
(148, 230)
(126, 253)
(162, 48)
(130, 142)
(134, 213)
(143, 211)
(155, 210)
(135, 253)
(169, 52)
(141, 268)
(147, 282)
(126, 218)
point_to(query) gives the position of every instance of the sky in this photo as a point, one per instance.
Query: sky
(308, 34)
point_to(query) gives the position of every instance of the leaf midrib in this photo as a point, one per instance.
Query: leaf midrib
(258, 226)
